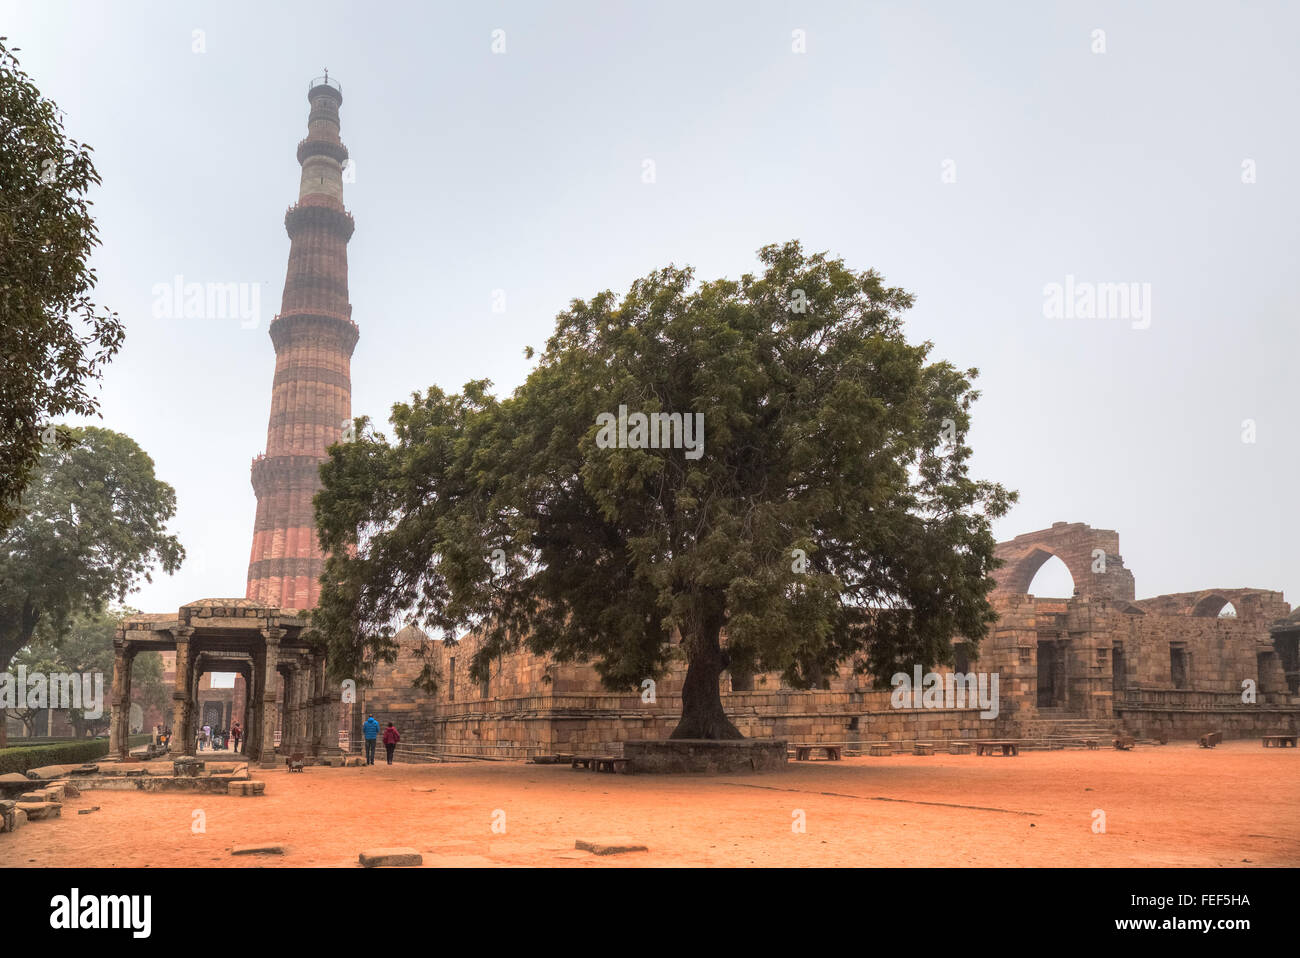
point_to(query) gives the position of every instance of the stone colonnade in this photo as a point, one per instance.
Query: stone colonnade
(285, 683)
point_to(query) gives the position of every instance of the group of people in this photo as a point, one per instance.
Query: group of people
(371, 733)
(215, 739)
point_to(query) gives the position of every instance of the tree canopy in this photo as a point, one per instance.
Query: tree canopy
(91, 525)
(54, 341)
(820, 512)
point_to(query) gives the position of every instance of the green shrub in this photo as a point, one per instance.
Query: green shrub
(20, 758)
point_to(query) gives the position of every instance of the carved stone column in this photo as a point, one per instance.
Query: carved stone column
(270, 680)
(182, 742)
(116, 741)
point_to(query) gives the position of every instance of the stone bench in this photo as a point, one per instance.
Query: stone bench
(803, 753)
(1210, 739)
(1279, 741)
(601, 763)
(997, 748)
(923, 748)
(880, 748)
(959, 748)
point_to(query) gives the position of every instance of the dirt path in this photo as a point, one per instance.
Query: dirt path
(1172, 805)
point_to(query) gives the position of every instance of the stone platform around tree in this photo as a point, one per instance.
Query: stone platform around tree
(705, 755)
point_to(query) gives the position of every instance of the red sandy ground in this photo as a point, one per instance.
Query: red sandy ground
(1176, 805)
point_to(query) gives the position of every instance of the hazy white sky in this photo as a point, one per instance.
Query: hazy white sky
(973, 153)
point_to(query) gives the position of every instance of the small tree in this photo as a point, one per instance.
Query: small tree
(820, 511)
(85, 648)
(40, 657)
(53, 340)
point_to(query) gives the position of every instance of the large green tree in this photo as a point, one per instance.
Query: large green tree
(54, 341)
(91, 525)
(827, 517)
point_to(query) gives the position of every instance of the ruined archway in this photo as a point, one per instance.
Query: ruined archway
(1090, 555)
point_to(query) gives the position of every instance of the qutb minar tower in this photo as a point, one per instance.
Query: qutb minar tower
(311, 395)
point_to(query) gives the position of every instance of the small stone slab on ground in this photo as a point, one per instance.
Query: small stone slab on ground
(613, 845)
(391, 858)
(37, 811)
(424, 789)
(87, 811)
(268, 849)
(246, 788)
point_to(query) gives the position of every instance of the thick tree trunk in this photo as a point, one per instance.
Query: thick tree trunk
(702, 713)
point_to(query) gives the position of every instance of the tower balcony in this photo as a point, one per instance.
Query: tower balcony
(326, 85)
(302, 216)
(322, 328)
(314, 146)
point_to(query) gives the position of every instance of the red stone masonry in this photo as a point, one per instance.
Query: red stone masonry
(311, 394)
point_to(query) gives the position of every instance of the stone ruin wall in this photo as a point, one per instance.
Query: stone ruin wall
(533, 705)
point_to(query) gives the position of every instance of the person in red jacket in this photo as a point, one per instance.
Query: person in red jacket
(391, 739)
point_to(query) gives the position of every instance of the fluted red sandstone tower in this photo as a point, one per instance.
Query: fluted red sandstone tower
(311, 395)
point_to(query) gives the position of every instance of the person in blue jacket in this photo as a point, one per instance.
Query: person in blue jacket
(371, 731)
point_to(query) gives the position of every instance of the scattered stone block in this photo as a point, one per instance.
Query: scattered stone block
(923, 748)
(267, 849)
(959, 748)
(39, 811)
(69, 789)
(20, 819)
(50, 772)
(37, 796)
(247, 788)
(881, 748)
(391, 858)
(87, 811)
(7, 809)
(614, 845)
(424, 789)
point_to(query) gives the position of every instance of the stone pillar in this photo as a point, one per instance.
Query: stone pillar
(270, 669)
(306, 706)
(301, 709)
(245, 717)
(253, 706)
(181, 742)
(291, 738)
(117, 743)
(319, 705)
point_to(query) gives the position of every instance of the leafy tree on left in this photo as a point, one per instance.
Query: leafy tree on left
(91, 524)
(54, 341)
